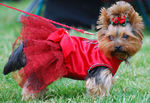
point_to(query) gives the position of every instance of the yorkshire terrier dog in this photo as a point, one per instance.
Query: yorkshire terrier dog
(47, 53)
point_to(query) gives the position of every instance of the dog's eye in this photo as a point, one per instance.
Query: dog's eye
(111, 37)
(125, 36)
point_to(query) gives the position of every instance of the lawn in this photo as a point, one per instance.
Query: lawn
(132, 82)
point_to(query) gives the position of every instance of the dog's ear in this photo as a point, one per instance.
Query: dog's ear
(103, 22)
(136, 22)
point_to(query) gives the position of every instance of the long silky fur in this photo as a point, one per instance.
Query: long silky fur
(99, 82)
(16, 60)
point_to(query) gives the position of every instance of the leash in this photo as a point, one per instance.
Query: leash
(48, 20)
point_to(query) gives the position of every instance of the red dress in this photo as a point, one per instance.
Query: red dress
(52, 53)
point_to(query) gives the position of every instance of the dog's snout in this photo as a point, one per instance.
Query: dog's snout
(118, 48)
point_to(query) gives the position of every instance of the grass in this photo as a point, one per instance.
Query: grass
(132, 83)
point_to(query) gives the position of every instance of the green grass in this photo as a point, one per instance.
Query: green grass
(132, 83)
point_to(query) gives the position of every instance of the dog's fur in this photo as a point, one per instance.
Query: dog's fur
(115, 40)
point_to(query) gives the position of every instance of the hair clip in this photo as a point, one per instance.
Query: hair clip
(119, 20)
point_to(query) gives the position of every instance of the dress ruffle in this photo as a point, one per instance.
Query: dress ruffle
(44, 58)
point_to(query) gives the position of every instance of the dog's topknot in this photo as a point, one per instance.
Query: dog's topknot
(120, 8)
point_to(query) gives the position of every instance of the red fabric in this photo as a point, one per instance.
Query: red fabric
(45, 61)
(83, 55)
(66, 41)
(120, 20)
(52, 53)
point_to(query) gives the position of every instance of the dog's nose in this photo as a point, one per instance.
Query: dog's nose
(118, 48)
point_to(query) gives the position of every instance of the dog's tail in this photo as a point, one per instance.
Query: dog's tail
(16, 61)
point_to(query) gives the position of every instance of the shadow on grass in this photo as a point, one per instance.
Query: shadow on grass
(67, 93)
(74, 90)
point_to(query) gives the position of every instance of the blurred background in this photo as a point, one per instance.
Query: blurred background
(132, 82)
(79, 13)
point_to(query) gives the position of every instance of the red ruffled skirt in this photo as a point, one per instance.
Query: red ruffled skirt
(44, 59)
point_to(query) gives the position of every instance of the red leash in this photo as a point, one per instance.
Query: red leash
(48, 20)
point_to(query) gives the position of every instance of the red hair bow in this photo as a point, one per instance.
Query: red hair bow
(119, 20)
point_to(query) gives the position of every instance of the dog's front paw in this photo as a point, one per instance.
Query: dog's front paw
(99, 82)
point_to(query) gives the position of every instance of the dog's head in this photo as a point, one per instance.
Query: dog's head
(120, 31)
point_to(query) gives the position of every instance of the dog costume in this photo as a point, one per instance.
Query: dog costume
(51, 53)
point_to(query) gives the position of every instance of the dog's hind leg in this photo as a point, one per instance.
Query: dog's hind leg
(29, 94)
(99, 82)
(16, 60)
